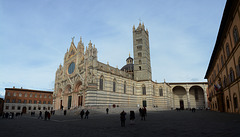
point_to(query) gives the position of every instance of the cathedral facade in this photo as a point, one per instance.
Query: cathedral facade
(83, 81)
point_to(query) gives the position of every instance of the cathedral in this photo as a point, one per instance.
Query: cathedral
(85, 82)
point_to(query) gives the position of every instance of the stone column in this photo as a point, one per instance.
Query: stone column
(205, 98)
(188, 98)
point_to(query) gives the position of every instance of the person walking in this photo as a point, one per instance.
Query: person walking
(49, 115)
(107, 110)
(81, 114)
(40, 115)
(86, 114)
(45, 115)
(144, 113)
(140, 111)
(122, 118)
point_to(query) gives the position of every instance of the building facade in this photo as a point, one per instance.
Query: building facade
(223, 71)
(83, 81)
(18, 100)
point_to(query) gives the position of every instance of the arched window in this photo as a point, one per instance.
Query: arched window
(140, 62)
(143, 89)
(224, 81)
(101, 83)
(25, 94)
(133, 89)
(232, 78)
(222, 61)
(235, 35)
(238, 68)
(114, 85)
(20, 95)
(124, 87)
(139, 54)
(160, 91)
(235, 100)
(227, 50)
(153, 90)
(227, 99)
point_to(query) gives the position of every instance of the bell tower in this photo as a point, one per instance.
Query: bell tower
(142, 64)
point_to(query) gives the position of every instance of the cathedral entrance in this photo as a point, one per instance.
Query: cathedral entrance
(144, 103)
(80, 100)
(61, 106)
(69, 101)
(181, 104)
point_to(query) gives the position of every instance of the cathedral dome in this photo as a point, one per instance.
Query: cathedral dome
(128, 68)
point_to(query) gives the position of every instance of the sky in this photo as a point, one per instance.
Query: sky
(35, 35)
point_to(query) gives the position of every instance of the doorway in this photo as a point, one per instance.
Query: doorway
(181, 104)
(144, 103)
(61, 106)
(24, 110)
(69, 102)
(80, 98)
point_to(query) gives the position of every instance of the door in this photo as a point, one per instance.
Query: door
(24, 110)
(69, 101)
(61, 106)
(80, 100)
(144, 103)
(181, 105)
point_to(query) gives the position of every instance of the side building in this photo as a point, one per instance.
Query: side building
(19, 100)
(223, 73)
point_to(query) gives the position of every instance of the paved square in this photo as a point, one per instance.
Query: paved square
(162, 123)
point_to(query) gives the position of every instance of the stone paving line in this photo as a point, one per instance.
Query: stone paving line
(162, 123)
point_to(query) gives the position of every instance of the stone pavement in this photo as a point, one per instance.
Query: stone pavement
(163, 123)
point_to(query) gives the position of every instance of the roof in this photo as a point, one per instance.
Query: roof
(227, 15)
(28, 90)
(128, 68)
(129, 58)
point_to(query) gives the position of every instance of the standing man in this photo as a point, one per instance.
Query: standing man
(86, 114)
(122, 118)
(107, 110)
(81, 114)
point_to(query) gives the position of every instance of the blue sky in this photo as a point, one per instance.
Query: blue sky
(34, 36)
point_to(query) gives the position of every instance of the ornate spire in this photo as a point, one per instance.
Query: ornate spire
(73, 39)
(90, 44)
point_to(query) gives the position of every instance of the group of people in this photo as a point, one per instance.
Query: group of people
(86, 114)
(10, 115)
(143, 113)
(47, 115)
